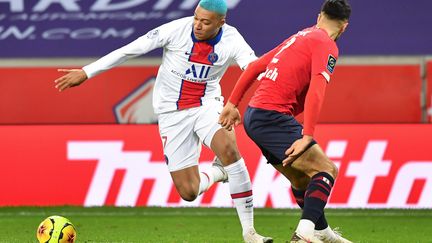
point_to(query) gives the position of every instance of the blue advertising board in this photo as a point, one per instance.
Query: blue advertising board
(90, 28)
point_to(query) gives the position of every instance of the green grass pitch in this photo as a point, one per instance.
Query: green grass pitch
(199, 225)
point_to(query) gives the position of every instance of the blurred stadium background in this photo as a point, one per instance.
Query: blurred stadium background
(98, 145)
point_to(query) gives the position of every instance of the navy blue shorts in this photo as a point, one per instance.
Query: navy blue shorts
(273, 132)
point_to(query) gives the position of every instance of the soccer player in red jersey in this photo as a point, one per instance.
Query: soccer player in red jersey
(293, 78)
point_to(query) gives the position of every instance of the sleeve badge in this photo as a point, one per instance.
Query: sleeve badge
(331, 63)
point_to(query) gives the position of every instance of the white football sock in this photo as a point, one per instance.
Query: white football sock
(208, 178)
(206, 181)
(241, 193)
(218, 175)
(305, 228)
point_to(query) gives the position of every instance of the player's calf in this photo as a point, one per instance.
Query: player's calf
(314, 161)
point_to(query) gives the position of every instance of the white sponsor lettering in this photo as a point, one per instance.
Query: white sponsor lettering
(174, 15)
(188, 4)
(404, 181)
(271, 74)
(130, 16)
(15, 32)
(268, 184)
(336, 150)
(162, 4)
(17, 6)
(107, 5)
(19, 17)
(30, 33)
(365, 171)
(86, 33)
(68, 5)
(113, 33)
(138, 167)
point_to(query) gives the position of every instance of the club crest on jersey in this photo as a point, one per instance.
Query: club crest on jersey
(213, 57)
(331, 63)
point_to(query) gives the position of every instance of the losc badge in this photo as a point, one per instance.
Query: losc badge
(331, 63)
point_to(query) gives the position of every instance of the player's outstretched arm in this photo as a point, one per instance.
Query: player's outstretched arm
(72, 78)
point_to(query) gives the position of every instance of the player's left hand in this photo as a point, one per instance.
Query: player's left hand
(296, 149)
(71, 78)
(229, 116)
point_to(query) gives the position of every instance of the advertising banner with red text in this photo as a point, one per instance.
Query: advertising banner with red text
(123, 165)
(356, 94)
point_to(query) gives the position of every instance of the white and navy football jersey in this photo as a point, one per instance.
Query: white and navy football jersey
(191, 70)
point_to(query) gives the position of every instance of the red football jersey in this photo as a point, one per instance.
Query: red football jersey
(285, 82)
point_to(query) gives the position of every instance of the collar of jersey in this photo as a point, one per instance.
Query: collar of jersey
(212, 41)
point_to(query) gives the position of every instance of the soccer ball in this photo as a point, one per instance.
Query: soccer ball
(56, 229)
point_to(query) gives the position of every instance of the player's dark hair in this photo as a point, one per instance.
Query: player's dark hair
(337, 9)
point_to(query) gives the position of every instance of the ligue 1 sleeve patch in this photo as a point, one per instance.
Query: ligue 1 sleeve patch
(331, 63)
(153, 34)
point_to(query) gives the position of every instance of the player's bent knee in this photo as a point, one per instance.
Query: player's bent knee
(188, 195)
(187, 191)
(331, 169)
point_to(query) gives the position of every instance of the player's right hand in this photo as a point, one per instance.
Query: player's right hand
(72, 78)
(296, 149)
(229, 116)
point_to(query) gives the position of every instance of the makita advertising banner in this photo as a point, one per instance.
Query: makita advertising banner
(72, 28)
(381, 166)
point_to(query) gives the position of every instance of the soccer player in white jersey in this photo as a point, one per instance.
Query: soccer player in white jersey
(187, 98)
